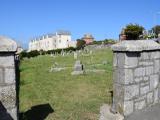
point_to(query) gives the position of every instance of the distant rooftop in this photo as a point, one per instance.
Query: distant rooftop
(88, 36)
(59, 32)
(62, 32)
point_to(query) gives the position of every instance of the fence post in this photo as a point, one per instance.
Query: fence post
(136, 73)
(8, 98)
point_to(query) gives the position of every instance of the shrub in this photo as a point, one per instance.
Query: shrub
(23, 54)
(33, 53)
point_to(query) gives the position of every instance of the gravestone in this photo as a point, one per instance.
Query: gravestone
(90, 52)
(104, 62)
(8, 97)
(75, 55)
(62, 53)
(78, 68)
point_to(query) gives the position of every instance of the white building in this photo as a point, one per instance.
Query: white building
(58, 40)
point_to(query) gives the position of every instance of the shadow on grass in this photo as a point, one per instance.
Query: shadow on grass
(39, 112)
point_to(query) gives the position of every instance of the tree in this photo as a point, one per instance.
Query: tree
(156, 30)
(133, 31)
(80, 44)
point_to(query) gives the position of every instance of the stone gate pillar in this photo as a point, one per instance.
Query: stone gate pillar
(8, 98)
(136, 75)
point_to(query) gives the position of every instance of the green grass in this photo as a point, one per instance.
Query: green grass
(72, 97)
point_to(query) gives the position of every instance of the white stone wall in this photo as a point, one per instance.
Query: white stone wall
(57, 41)
(136, 76)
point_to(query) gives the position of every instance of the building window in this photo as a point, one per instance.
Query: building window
(59, 41)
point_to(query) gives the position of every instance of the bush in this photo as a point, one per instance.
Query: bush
(23, 54)
(33, 53)
(133, 31)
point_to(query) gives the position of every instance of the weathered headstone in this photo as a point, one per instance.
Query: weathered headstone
(75, 55)
(62, 52)
(104, 62)
(78, 68)
(8, 98)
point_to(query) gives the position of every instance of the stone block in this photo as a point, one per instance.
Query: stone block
(128, 108)
(150, 98)
(7, 61)
(156, 66)
(149, 70)
(144, 90)
(118, 93)
(139, 72)
(120, 60)
(144, 56)
(140, 105)
(131, 60)
(155, 55)
(159, 92)
(7, 45)
(115, 60)
(115, 75)
(8, 96)
(128, 76)
(154, 80)
(146, 78)
(145, 63)
(136, 45)
(131, 91)
(144, 83)
(1, 75)
(156, 98)
(123, 76)
(138, 79)
(127, 60)
(10, 75)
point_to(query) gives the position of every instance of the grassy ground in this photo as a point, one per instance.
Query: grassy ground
(71, 97)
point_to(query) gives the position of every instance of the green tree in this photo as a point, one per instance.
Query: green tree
(156, 30)
(133, 31)
(80, 44)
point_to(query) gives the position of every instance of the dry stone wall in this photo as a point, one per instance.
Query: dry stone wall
(136, 75)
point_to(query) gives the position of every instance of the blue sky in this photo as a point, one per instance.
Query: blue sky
(24, 19)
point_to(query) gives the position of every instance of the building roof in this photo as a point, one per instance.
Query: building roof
(88, 36)
(60, 32)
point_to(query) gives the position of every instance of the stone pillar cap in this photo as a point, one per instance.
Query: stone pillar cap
(136, 45)
(7, 44)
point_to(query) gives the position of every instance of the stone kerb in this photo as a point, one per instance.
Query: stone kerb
(8, 101)
(136, 76)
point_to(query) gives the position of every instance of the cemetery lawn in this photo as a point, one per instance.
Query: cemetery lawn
(71, 97)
